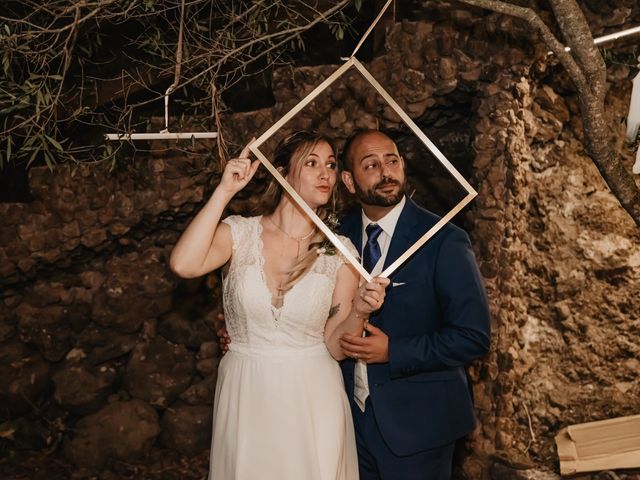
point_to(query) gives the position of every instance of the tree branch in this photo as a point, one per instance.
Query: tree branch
(288, 34)
(534, 20)
(576, 31)
(586, 68)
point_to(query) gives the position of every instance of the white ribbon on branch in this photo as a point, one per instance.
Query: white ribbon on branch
(633, 119)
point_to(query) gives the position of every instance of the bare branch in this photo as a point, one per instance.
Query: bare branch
(60, 67)
(287, 34)
(575, 29)
(586, 68)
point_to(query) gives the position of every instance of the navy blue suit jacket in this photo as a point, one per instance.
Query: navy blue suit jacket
(436, 316)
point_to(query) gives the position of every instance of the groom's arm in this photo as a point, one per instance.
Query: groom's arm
(464, 332)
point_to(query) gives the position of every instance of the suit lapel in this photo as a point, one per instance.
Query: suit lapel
(404, 233)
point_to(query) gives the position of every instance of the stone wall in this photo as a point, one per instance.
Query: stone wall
(569, 346)
(100, 345)
(560, 271)
(107, 353)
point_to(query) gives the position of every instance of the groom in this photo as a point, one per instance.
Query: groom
(406, 379)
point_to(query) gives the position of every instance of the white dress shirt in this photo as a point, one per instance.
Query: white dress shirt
(388, 224)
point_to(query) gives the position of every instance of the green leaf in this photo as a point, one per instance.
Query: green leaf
(8, 110)
(32, 157)
(358, 5)
(6, 63)
(29, 141)
(55, 143)
(49, 160)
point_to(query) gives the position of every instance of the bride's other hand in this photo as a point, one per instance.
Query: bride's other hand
(374, 347)
(370, 296)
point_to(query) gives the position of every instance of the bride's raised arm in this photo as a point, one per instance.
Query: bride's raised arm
(206, 243)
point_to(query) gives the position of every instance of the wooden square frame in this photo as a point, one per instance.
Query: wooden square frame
(353, 62)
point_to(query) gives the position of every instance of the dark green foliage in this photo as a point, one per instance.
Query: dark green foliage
(72, 71)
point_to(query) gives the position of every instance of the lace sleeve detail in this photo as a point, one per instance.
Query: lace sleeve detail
(329, 264)
(242, 236)
(234, 222)
(350, 247)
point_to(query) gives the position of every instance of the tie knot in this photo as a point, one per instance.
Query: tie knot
(373, 231)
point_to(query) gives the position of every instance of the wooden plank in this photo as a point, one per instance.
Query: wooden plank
(603, 445)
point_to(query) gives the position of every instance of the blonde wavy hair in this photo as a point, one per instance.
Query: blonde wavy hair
(289, 157)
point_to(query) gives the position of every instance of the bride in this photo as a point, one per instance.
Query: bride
(280, 411)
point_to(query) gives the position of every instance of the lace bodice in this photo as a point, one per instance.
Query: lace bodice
(250, 316)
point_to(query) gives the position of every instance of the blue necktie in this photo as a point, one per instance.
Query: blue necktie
(371, 253)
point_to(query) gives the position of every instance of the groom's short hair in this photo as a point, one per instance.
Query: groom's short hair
(346, 162)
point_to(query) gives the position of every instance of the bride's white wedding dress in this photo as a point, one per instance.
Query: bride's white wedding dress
(280, 412)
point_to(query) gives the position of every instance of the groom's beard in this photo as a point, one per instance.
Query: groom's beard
(373, 196)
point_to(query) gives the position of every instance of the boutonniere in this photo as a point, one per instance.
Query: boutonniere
(326, 247)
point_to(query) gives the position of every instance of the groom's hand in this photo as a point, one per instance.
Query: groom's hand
(223, 336)
(374, 348)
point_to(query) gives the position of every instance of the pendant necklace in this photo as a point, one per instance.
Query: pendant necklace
(280, 296)
(297, 239)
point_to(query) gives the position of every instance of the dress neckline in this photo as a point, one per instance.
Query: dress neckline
(263, 274)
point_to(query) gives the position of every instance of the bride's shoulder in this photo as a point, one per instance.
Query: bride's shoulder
(241, 220)
(349, 244)
(242, 228)
(337, 256)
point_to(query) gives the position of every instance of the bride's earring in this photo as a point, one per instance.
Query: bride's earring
(334, 200)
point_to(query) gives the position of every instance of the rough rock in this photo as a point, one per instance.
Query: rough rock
(25, 379)
(125, 301)
(101, 344)
(177, 328)
(120, 431)
(187, 428)
(81, 388)
(201, 393)
(158, 372)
